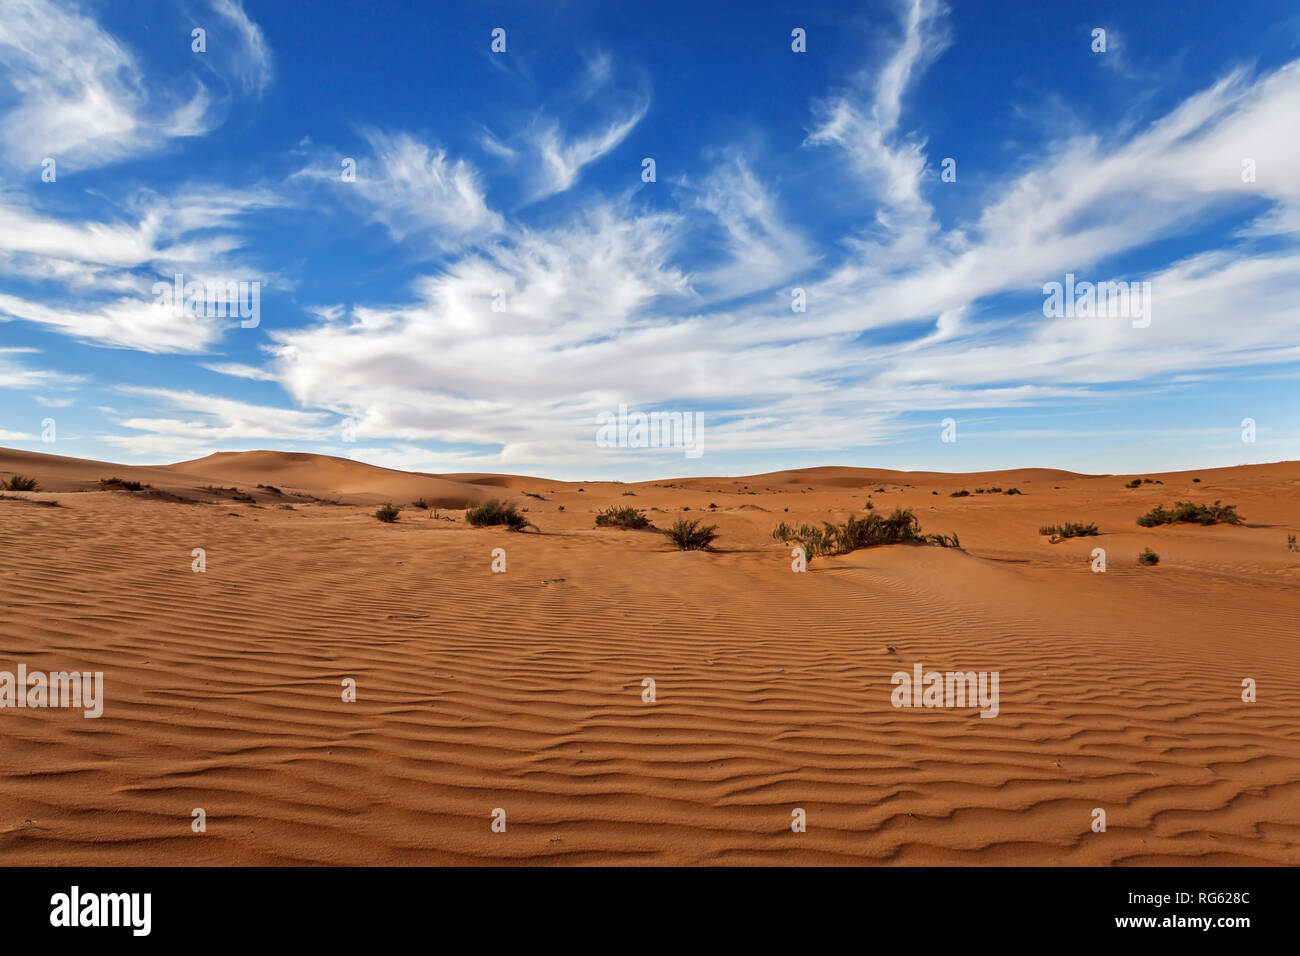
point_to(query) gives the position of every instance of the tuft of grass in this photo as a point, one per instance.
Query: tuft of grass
(629, 494)
(1148, 557)
(630, 519)
(271, 488)
(691, 535)
(870, 505)
(21, 483)
(496, 512)
(1070, 529)
(1291, 543)
(421, 504)
(388, 514)
(533, 494)
(1185, 512)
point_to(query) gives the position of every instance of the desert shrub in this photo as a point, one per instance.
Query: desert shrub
(629, 494)
(1135, 483)
(934, 492)
(631, 519)
(271, 488)
(116, 482)
(1013, 491)
(960, 494)
(1196, 480)
(901, 526)
(870, 505)
(1148, 557)
(1291, 543)
(21, 483)
(388, 514)
(1185, 512)
(691, 535)
(533, 494)
(421, 504)
(497, 513)
(241, 496)
(1070, 529)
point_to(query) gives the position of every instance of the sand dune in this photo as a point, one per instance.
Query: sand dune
(523, 690)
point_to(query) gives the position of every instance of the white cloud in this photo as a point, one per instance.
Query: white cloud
(563, 158)
(125, 323)
(210, 421)
(106, 271)
(81, 97)
(253, 62)
(15, 374)
(412, 188)
(238, 370)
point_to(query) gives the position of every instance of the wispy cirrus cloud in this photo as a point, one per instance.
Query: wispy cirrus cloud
(79, 96)
(252, 63)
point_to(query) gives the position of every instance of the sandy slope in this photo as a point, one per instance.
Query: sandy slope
(523, 690)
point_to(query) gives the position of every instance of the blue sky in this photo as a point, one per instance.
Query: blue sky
(498, 273)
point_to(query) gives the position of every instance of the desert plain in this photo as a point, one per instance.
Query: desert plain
(521, 691)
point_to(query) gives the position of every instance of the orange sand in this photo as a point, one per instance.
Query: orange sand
(522, 690)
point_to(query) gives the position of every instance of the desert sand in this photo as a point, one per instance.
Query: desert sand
(523, 690)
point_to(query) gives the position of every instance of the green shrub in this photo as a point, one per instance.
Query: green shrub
(1070, 529)
(631, 519)
(1185, 512)
(421, 504)
(388, 514)
(21, 483)
(498, 513)
(691, 535)
(1148, 557)
(1135, 483)
(960, 494)
(1291, 543)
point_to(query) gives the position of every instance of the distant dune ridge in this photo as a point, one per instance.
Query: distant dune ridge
(223, 690)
